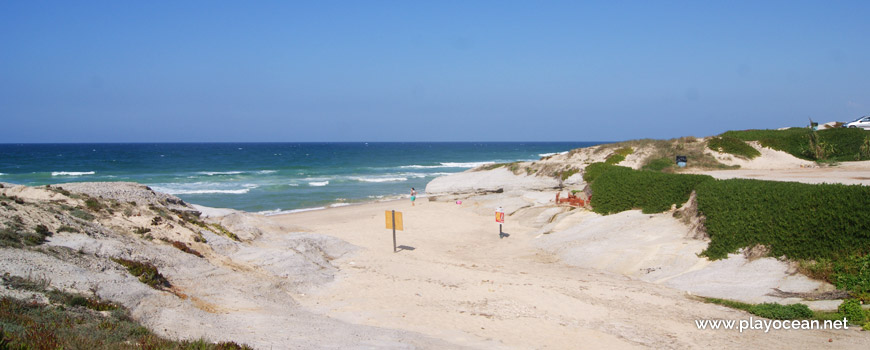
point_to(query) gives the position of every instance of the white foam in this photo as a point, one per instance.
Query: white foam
(379, 179)
(279, 211)
(293, 185)
(414, 175)
(213, 173)
(204, 188)
(336, 205)
(263, 172)
(421, 166)
(465, 165)
(72, 173)
(318, 183)
(180, 191)
(551, 154)
(1, 174)
(447, 165)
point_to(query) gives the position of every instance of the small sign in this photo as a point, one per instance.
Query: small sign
(389, 220)
(499, 215)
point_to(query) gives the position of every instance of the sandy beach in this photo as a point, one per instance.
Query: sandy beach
(561, 277)
(455, 279)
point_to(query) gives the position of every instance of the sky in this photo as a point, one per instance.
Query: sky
(312, 71)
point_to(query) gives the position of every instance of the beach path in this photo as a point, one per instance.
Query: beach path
(456, 280)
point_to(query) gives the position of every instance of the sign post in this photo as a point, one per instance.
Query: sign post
(394, 221)
(499, 218)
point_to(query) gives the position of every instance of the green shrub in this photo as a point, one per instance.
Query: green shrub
(852, 273)
(782, 312)
(592, 171)
(732, 145)
(223, 230)
(492, 166)
(146, 272)
(618, 189)
(26, 325)
(618, 155)
(15, 234)
(851, 309)
(81, 214)
(568, 173)
(838, 144)
(799, 221)
(93, 204)
(66, 228)
(660, 164)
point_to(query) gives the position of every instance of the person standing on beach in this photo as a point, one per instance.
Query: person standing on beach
(413, 196)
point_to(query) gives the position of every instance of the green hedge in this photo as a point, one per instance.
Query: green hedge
(800, 221)
(617, 189)
(733, 145)
(827, 223)
(592, 171)
(845, 143)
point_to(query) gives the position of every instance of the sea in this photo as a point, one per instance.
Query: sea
(268, 178)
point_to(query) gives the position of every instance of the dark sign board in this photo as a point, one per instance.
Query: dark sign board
(681, 159)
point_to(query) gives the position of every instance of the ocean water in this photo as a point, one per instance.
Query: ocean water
(264, 177)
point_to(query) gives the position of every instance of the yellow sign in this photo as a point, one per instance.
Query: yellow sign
(499, 217)
(389, 221)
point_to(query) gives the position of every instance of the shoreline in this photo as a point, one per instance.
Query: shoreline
(565, 276)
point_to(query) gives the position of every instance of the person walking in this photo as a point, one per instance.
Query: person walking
(413, 196)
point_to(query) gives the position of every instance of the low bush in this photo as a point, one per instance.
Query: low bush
(660, 164)
(732, 145)
(825, 226)
(618, 155)
(592, 171)
(799, 221)
(66, 228)
(146, 272)
(25, 325)
(492, 166)
(782, 312)
(223, 230)
(93, 204)
(852, 273)
(617, 189)
(14, 234)
(838, 144)
(568, 173)
(777, 311)
(81, 214)
(852, 311)
(184, 248)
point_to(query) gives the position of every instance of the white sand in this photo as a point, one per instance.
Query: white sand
(456, 280)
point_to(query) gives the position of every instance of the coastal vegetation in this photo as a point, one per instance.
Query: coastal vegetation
(837, 144)
(184, 248)
(619, 155)
(732, 145)
(849, 309)
(75, 321)
(14, 234)
(146, 272)
(823, 226)
(619, 189)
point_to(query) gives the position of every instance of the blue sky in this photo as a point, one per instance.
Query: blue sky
(189, 71)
